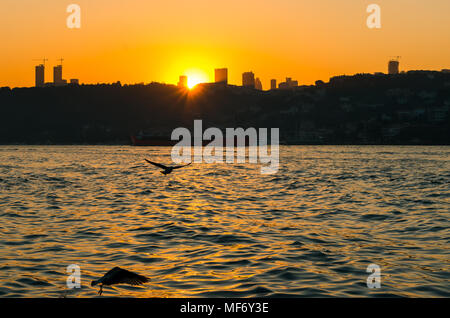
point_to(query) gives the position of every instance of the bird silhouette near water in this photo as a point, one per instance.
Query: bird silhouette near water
(118, 276)
(166, 170)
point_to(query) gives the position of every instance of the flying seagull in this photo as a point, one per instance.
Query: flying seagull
(166, 170)
(119, 276)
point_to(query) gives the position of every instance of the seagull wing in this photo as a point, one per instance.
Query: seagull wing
(157, 164)
(122, 276)
(178, 167)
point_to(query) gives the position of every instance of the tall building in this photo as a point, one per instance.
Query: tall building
(273, 84)
(248, 79)
(40, 75)
(183, 82)
(57, 75)
(393, 67)
(221, 75)
(258, 84)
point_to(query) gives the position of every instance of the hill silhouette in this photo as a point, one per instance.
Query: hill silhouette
(409, 108)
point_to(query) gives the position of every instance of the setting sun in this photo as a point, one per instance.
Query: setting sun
(196, 77)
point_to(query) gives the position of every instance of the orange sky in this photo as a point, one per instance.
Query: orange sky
(143, 41)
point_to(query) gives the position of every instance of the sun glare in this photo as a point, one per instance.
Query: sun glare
(196, 77)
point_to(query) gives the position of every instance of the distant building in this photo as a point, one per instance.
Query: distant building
(221, 75)
(283, 85)
(258, 84)
(183, 82)
(445, 71)
(74, 81)
(288, 84)
(40, 75)
(57, 76)
(248, 79)
(393, 67)
(273, 84)
(291, 83)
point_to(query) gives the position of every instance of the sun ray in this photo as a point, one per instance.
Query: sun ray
(196, 77)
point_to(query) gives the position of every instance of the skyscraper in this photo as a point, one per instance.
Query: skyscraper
(258, 84)
(221, 75)
(57, 75)
(40, 75)
(183, 82)
(273, 84)
(393, 67)
(248, 79)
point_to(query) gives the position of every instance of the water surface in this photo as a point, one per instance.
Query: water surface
(226, 230)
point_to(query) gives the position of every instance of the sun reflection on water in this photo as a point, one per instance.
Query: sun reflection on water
(225, 230)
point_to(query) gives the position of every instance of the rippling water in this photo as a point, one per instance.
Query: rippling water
(226, 230)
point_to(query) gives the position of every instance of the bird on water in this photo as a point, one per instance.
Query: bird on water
(118, 276)
(166, 170)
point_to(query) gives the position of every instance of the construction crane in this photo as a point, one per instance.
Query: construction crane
(61, 61)
(395, 58)
(43, 60)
